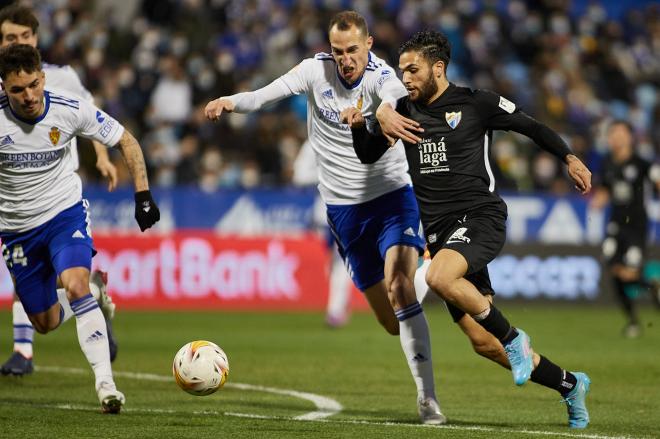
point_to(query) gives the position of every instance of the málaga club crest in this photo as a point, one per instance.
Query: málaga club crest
(54, 135)
(453, 119)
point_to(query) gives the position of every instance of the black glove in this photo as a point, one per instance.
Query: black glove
(146, 211)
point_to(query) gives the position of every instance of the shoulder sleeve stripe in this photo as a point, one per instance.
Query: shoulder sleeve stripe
(66, 104)
(51, 66)
(324, 57)
(69, 104)
(62, 98)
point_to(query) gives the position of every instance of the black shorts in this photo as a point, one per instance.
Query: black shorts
(624, 246)
(478, 236)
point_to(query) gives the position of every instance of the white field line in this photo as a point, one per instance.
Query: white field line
(326, 407)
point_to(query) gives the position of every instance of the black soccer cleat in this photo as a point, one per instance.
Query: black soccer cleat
(17, 365)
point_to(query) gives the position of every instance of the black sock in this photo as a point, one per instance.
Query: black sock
(626, 301)
(550, 375)
(498, 325)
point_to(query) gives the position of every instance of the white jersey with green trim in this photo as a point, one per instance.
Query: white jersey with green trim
(37, 169)
(343, 179)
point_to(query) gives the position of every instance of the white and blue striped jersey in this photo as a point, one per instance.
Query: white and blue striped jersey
(64, 79)
(343, 179)
(37, 169)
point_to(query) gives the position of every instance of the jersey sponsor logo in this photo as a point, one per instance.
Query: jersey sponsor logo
(432, 156)
(432, 238)
(78, 234)
(382, 80)
(332, 118)
(507, 105)
(385, 72)
(453, 119)
(327, 94)
(459, 236)
(24, 160)
(107, 128)
(6, 140)
(54, 135)
(409, 231)
(99, 117)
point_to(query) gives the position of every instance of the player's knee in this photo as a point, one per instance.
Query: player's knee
(400, 291)
(42, 326)
(77, 288)
(440, 284)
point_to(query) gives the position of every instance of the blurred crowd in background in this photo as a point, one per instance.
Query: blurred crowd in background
(154, 64)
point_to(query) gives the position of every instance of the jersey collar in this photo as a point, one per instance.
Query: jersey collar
(444, 94)
(38, 119)
(356, 83)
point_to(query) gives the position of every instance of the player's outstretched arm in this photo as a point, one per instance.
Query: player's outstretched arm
(396, 126)
(104, 165)
(247, 102)
(146, 210)
(215, 108)
(499, 113)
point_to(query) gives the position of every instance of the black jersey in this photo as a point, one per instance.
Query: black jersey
(626, 182)
(450, 167)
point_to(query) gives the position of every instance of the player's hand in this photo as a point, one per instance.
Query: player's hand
(353, 117)
(109, 171)
(146, 210)
(215, 108)
(579, 173)
(393, 125)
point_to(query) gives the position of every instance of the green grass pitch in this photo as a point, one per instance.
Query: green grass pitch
(359, 366)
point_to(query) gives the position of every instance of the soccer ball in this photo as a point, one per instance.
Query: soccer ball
(200, 367)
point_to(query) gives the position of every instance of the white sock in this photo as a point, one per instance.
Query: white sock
(340, 291)
(421, 287)
(23, 330)
(93, 338)
(66, 312)
(416, 344)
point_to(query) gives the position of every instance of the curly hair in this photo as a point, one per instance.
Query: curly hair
(433, 45)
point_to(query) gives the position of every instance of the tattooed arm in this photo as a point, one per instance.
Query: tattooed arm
(132, 153)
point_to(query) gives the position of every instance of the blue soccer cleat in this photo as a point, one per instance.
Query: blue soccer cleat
(17, 365)
(578, 416)
(519, 353)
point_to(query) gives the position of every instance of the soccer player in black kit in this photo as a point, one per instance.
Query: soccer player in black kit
(446, 132)
(624, 177)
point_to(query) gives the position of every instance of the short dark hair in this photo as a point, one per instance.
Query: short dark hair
(18, 14)
(19, 58)
(345, 19)
(433, 45)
